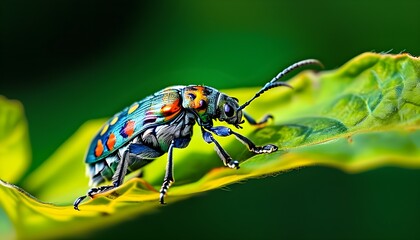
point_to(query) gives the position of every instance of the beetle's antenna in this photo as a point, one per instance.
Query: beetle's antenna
(273, 83)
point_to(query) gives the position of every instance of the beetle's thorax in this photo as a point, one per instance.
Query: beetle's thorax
(202, 100)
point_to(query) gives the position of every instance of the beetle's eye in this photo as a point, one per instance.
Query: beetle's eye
(228, 110)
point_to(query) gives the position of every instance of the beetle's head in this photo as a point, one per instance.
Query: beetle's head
(228, 110)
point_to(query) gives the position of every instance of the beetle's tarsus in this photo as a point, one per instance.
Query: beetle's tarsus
(162, 199)
(77, 202)
(165, 186)
(269, 148)
(169, 174)
(91, 193)
(96, 190)
(233, 164)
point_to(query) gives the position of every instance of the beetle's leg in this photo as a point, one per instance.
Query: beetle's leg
(117, 180)
(224, 131)
(226, 158)
(78, 201)
(252, 121)
(169, 174)
(135, 150)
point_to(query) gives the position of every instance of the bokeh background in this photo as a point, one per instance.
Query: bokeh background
(71, 61)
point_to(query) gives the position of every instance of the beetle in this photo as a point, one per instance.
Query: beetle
(163, 121)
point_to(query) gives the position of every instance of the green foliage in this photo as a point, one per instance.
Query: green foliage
(364, 115)
(14, 140)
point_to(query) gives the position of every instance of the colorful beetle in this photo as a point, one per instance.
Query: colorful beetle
(163, 121)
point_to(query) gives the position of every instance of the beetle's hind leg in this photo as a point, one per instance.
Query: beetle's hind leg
(91, 193)
(136, 151)
(117, 180)
(261, 123)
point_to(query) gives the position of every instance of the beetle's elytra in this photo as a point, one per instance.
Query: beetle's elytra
(155, 125)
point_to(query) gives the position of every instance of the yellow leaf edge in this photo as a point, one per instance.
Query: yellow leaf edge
(135, 196)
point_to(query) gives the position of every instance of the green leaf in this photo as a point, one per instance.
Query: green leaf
(362, 116)
(55, 180)
(14, 140)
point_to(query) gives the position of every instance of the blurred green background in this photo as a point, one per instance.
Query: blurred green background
(71, 61)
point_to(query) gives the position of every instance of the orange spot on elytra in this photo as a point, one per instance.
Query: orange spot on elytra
(99, 148)
(111, 141)
(170, 109)
(129, 128)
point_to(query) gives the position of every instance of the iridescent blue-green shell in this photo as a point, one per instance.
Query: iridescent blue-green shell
(159, 108)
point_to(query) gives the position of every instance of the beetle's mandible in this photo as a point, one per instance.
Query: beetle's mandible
(155, 125)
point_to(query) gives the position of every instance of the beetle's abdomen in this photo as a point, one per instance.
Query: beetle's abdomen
(104, 169)
(157, 137)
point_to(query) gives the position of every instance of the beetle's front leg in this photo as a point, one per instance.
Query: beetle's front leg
(224, 131)
(227, 160)
(252, 121)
